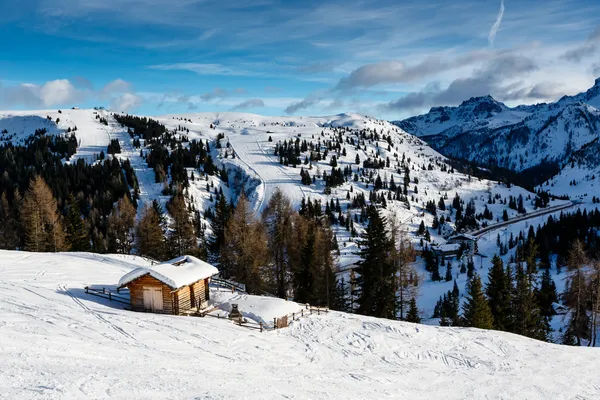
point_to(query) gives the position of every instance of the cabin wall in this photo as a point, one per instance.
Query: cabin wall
(191, 297)
(136, 291)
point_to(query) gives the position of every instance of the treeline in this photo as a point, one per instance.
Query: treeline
(164, 151)
(284, 252)
(515, 298)
(384, 283)
(520, 296)
(35, 174)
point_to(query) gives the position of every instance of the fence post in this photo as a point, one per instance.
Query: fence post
(318, 311)
(302, 313)
(86, 289)
(275, 323)
(261, 326)
(103, 290)
(109, 296)
(293, 316)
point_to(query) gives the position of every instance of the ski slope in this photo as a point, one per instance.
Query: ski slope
(58, 342)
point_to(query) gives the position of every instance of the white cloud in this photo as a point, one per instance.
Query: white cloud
(496, 26)
(125, 102)
(116, 86)
(62, 92)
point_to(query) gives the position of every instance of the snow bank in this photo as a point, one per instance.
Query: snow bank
(257, 308)
(176, 273)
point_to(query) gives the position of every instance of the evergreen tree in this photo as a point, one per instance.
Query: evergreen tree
(376, 275)
(218, 225)
(477, 313)
(121, 222)
(9, 227)
(413, 312)
(547, 295)
(277, 219)
(576, 293)
(498, 291)
(528, 320)
(77, 233)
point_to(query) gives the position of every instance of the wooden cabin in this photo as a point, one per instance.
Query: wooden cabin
(179, 286)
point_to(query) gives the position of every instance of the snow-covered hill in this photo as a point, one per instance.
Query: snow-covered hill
(247, 150)
(58, 342)
(543, 137)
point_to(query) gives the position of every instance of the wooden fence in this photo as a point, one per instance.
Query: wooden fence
(278, 323)
(107, 294)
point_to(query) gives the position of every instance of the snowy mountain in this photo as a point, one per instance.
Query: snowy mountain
(541, 139)
(57, 341)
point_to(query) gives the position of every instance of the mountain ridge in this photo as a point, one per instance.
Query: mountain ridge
(491, 134)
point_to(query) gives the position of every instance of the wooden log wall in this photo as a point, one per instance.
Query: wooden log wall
(136, 292)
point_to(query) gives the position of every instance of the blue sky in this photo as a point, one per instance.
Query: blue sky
(386, 58)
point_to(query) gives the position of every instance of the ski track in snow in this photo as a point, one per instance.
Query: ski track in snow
(58, 342)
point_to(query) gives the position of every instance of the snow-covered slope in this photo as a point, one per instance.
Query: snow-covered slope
(490, 133)
(252, 139)
(58, 342)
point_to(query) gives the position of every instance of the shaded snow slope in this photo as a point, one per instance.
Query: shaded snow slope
(56, 342)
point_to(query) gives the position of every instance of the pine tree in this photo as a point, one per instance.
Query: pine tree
(547, 295)
(181, 239)
(277, 219)
(218, 225)
(413, 312)
(575, 296)
(477, 313)
(150, 237)
(121, 222)
(528, 320)
(77, 233)
(42, 223)
(9, 227)
(498, 291)
(376, 277)
(448, 277)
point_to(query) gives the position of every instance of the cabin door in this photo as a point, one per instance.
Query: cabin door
(153, 300)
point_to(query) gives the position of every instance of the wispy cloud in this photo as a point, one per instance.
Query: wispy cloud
(496, 26)
(584, 50)
(204, 69)
(250, 103)
(301, 105)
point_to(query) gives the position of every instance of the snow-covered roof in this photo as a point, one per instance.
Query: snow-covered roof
(176, 273)
(462, 236)
(447, 247)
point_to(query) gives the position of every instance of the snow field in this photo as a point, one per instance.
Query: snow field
(57, 343)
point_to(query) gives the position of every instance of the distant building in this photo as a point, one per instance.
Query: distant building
(179, 286)
(446, 250)
(462, 238)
